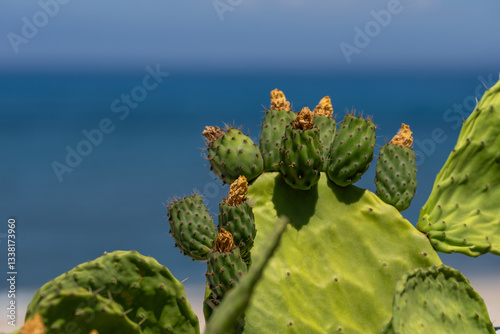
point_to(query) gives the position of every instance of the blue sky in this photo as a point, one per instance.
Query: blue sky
(246, 34)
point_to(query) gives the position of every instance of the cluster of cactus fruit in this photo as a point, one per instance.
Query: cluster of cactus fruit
(328, 256)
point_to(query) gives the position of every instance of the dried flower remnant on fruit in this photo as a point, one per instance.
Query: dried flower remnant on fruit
(34, 325)
(212, 133)
(304, 119)
(224, 242)
(324, 108)
(278, 101)
(403, 138)
(237, 191)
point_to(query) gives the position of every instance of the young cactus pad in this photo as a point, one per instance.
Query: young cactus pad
(438, 300)
(143, 290)
(338, 261)
(323, 120)
(462, 213)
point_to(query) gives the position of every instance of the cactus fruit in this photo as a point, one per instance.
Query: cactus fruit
(300, 152)
(273, 128)
(191, 227)
(462, 213)
(225, 266)
(323, 120)
(139, 288)
(231, 154)
(438, 300)
(396, 174)
(237, 218)
(228, 314)
(338, 261)
(352, 150)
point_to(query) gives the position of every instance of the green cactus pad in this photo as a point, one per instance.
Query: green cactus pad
(273, 129)
(240, 222)
(462, 213)
(78, 310)
(326, 127)
(234, 154)
(224, 270)
(142, 287)
(438, 300)
(338, 261)
(192, 227)
(396, 176)
(352, 150)
(300, 154)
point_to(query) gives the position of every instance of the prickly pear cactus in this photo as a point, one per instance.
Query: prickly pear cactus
(438, 300)
(338, 262)
(300, 152)
(324, 121)
(352, 150)
(225, 266)
(191, 226)
(273, 127)
(462, 213)
(396, 173)
(118, 284)
(236, 217)
(231, 154)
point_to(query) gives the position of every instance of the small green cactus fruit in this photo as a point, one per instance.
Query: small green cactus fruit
(144, 291)
(192, 227)
(323, 120)
(438, 300)
(237, 218)
(231, 154)
(300, 152)
(396, 174)
(87, 311)
(225, 266)
(352, 150)
(462, 212)
(273, 127)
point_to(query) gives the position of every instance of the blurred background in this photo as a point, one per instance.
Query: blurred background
(102, 107)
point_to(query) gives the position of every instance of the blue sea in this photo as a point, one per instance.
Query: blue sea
(151, 150)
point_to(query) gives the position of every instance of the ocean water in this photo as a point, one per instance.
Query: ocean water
(152, 150)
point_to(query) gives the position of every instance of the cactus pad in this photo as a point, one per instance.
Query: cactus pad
(338, 261)
(438, 300)
(462, 213)
(351, 151)
(192, 227)
(138, 285)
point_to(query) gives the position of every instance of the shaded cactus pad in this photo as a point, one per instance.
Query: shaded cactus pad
(338, 261)
(438, 300)
(462, 213)
(136, 286)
